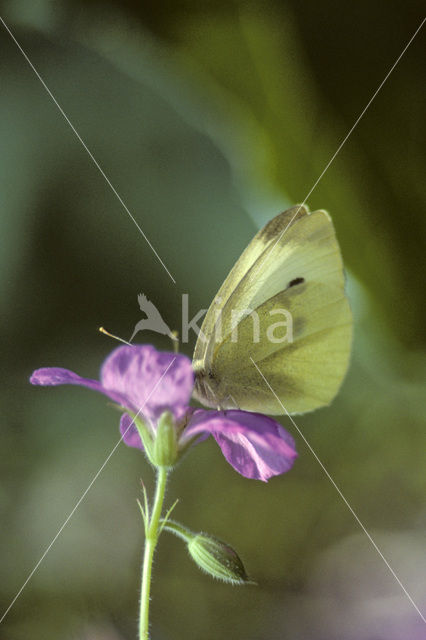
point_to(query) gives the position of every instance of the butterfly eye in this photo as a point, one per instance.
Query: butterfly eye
(211, 376)
(292, 283)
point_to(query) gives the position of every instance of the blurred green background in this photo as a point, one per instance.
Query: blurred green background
(208, 118)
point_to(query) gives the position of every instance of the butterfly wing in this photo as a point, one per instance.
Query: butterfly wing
(298, 272)
(238, 278)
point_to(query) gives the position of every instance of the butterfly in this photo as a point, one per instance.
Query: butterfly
(281, 311)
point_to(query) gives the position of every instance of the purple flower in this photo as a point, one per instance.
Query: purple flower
(155, 387)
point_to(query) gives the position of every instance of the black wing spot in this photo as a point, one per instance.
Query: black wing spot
(294, 282)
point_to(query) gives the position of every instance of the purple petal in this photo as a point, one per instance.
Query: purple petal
(255, 445)
(54, 376)
(150, 379)
(129, 432)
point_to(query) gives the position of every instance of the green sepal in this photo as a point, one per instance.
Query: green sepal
(165, 450)
(145, 435)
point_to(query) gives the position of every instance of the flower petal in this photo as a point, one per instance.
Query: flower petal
(129, 432)
(54, 376)
(151, 379)
(256, 446)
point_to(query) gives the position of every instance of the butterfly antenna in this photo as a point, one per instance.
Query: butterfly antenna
(111, 335)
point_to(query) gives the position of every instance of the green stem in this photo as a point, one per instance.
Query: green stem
(151, 538)
(177, 529)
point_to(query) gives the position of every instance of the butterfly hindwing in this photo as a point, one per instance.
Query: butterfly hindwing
(302, 353)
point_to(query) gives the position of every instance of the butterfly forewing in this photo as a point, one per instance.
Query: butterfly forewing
(237, 278)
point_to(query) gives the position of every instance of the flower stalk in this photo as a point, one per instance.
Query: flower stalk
(152, 532)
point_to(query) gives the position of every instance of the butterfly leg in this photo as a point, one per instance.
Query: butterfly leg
(225, 401)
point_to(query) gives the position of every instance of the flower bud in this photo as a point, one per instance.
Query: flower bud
(217, 559)
(165, 451)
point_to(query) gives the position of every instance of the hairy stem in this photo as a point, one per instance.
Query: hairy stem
(151, 539)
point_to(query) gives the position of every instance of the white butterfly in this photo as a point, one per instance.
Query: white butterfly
(293, 264)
